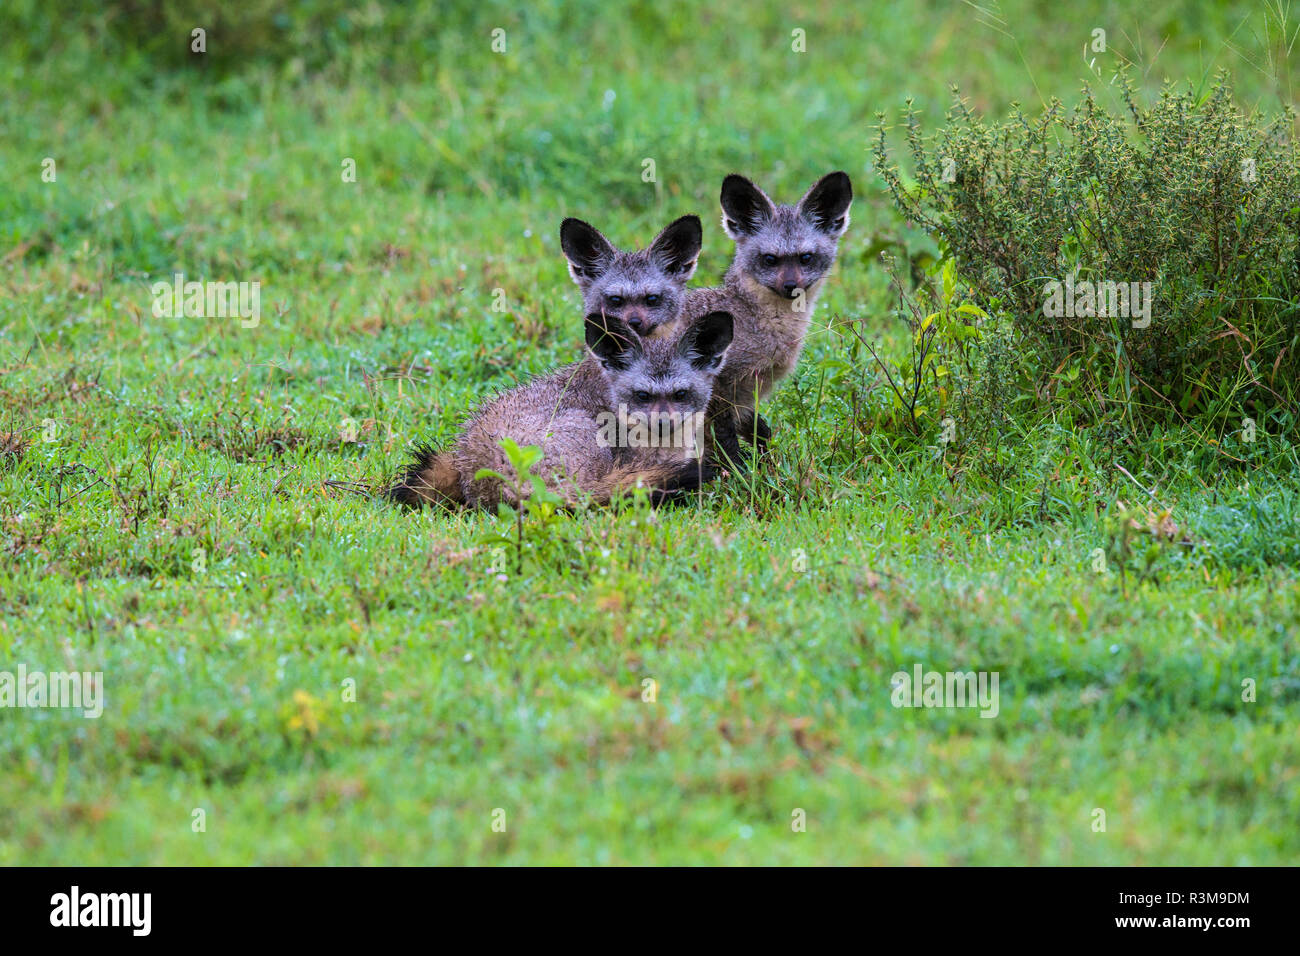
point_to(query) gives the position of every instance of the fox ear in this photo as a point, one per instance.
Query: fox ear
(611, 341)
(826, 205)
(589, 253)
(745, 207)
(706, 341)
(678, 246)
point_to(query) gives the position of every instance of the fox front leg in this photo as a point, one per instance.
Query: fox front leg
(726, 438)
(728, 433)
(756, 430)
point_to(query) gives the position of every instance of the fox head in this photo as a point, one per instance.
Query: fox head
(786, 249)
(667, 380)
(642, 289)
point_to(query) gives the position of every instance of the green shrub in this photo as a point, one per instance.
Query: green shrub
(1191, 196)
(955, 383)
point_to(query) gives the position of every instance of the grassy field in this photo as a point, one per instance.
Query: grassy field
(331, 680)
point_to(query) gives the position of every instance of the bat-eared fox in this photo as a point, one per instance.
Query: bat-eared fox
(783, 255)
(662, 361)
(627, 414)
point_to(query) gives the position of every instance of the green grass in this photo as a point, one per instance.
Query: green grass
(477, 691)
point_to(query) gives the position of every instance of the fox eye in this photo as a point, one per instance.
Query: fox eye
(805, 257)
(614, 299)
(769, 259)
(680, 395)
(652, 299)
(641, 396)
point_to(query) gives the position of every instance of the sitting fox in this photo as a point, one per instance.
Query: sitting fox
(625, 382)
(783, 255)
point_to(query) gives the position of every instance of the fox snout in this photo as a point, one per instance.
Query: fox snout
(790, 280)
(638, 319)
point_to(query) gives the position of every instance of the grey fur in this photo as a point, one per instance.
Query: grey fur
(769, 328)
(644, 288)
(563, 412)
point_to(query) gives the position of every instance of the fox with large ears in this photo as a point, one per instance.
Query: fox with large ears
(655, 389)
(666, 379)
(582, 417)
(783, 256)
(645, 289)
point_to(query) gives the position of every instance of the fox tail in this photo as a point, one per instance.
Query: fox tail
(430, 478)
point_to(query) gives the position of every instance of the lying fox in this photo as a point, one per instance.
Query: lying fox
(629, 379)
(626, 379)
